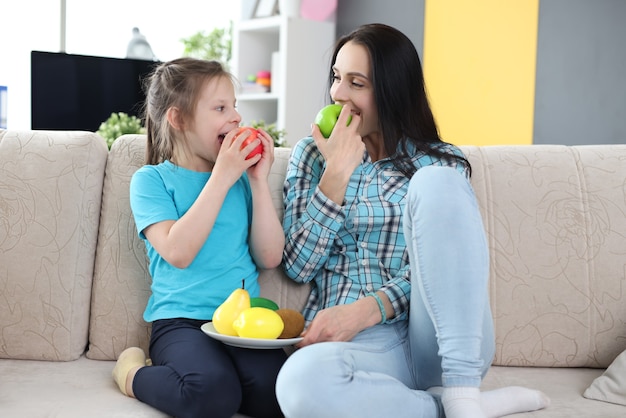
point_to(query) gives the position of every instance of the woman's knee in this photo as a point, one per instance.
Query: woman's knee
(295, 375)
(439, 192)
(305, 375)
(437, 181)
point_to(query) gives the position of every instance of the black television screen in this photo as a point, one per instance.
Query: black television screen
(79, 92)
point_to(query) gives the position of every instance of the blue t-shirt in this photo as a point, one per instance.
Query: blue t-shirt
(165, 192)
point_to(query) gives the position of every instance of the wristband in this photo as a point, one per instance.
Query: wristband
(381, 306)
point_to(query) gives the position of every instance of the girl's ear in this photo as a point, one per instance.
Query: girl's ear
(175, 119)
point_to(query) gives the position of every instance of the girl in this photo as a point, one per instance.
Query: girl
(206, 215)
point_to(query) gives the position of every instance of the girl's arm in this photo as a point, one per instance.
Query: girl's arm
(267, 239)
(179, 241)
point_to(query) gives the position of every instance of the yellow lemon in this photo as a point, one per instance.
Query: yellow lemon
(258, 322)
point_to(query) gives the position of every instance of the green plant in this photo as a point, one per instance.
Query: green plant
(276, 134)
(215, 45)
(119, 124)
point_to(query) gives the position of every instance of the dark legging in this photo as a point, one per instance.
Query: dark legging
(195, 376)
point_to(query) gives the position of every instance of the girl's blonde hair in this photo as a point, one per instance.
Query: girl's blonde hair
(175, 83)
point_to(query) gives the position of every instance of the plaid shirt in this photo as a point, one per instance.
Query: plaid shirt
(347, 251)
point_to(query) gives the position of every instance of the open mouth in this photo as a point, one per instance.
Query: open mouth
(221, 138)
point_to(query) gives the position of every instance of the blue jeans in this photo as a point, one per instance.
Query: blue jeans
(448, 339)
(194, 375)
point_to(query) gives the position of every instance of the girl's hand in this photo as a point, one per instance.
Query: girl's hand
(264, 161)
(231, 161)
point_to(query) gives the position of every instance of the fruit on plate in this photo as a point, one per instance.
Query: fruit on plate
(258, 322)
(229, 310)
(294, 323)
(263, 303)
(326, 118)
(253, 135)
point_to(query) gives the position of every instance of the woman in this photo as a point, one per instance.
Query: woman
(381, 219)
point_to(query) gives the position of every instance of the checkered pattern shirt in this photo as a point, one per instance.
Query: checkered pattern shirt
(347, 251)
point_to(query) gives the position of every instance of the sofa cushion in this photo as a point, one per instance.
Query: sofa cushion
(75, 389)
(611, 386)
(121, 281)
(50, 193)
(563, 385)
(554, 217)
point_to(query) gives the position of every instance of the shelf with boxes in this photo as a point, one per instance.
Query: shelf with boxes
(296, 52)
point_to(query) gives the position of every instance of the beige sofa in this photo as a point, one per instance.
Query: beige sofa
(73, 279)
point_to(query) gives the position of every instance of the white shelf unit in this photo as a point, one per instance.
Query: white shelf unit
(300, 74)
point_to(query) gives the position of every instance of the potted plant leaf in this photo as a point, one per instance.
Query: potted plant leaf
(276, 134)
(215, 45)
(119, 124)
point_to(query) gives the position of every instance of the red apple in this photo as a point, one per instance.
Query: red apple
(253, 135)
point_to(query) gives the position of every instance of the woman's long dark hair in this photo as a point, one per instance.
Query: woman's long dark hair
(400, 95)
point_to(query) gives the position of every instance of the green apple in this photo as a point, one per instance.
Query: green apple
(327, 118)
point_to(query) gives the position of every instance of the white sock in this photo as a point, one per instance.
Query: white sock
(512, 400)
(462, 402)
(500, 402)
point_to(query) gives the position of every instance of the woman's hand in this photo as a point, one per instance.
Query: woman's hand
(343, 153)
(342, 322)
(344, 148)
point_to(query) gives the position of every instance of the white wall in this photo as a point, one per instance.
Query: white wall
(98, 27)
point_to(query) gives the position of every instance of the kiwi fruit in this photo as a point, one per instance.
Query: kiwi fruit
(294, 323)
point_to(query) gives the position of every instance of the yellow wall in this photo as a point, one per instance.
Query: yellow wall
(479, 64)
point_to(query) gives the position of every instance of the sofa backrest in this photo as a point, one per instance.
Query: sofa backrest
(555, 222)
(555, 218)
(50, 192)
(121, 281)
